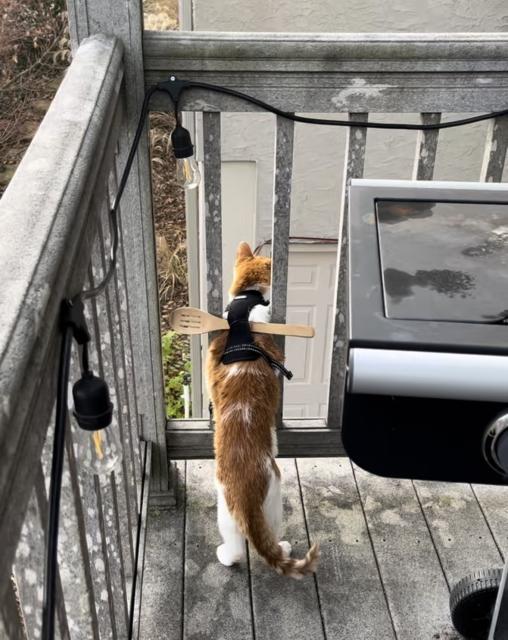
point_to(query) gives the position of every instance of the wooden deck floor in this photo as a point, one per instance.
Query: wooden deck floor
(391, 550)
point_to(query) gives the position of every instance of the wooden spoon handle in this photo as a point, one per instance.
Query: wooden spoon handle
(298, 330)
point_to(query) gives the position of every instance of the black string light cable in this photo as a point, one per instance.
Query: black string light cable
(175, 88)
(93, 408)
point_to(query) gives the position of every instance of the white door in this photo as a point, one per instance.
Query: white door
(311, 291)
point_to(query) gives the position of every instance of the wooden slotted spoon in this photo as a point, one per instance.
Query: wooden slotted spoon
(193, 321)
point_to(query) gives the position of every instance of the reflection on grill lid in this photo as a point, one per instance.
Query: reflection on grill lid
(443, 260)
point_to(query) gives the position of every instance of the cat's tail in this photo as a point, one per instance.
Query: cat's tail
(260, 535)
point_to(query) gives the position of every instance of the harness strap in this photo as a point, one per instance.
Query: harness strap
(260, 352)
(239, 328)
(240, 345)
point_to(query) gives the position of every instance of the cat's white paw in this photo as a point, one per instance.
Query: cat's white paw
(225, 557)
(286, 548)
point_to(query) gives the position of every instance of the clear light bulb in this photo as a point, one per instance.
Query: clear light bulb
(187, 172)
(98, 452)
(98, 449)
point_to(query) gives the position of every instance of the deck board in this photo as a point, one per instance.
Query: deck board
(164, 557)
(494, 503)
(351, 594)
(286, 609)
(216, 598)
(410, 569)
(457, 526)
(390, 549)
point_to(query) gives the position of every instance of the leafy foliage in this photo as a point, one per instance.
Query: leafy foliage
(177, 368)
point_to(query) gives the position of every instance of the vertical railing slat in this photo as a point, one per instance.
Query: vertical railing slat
(495, 150)
(119, 495)
(213, 210)
(193, 270)
(116, 354)
(125, 335)
(137, 600)
(131, 440)
(356, 140)
(29, 562)
(29, 567)
(284, 141)
(11, 623)
(426, 148)
(121, 275)
(85, 544)
(99, 561)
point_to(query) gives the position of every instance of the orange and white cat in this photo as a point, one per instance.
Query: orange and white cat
(245, 397)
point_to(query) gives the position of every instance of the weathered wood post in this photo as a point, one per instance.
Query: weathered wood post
(125, 21)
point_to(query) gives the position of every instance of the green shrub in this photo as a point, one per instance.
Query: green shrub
(176, 367)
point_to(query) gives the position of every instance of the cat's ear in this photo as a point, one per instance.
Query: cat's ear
(243, 252)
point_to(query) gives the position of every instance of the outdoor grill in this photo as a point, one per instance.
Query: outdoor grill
(427, 373)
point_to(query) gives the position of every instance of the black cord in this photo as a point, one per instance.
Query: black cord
(48, 613)
(95, 291)
(185, 85)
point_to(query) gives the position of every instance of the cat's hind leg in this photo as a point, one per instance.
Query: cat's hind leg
(273, 510)
(233, 548)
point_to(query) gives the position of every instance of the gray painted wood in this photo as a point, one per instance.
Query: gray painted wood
(39, 269)
(123, 297)
(161, 611)
(41, 497)
(88, 501)
(90, 626)
(99, 568)
(81, 613)
(113, 353)
(29, 568)
(120, 316)
(352, 601)
(111, 538)
(194, 439)
(493, 501)
(354, 163)
(335, 73)
(426, 149)
(284, 139)
(138, 600)
(412, 577)
(286, 609)
(125, 21)
(102, 350)
(11, 622)
(193, 262)
(216, 598)
(495, 151)
(213, 211)
(457, 526)
(281, 217)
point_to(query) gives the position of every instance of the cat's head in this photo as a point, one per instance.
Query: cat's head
(251, 272)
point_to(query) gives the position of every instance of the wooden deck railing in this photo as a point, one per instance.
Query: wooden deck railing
(54, 239)
(357, 74)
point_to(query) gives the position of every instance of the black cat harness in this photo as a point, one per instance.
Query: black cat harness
(240, 345)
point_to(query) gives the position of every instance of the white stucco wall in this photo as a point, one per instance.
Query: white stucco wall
(351, 15)
(319, 151)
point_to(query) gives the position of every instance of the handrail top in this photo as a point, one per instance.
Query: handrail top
(308, 44)
(41, 206)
